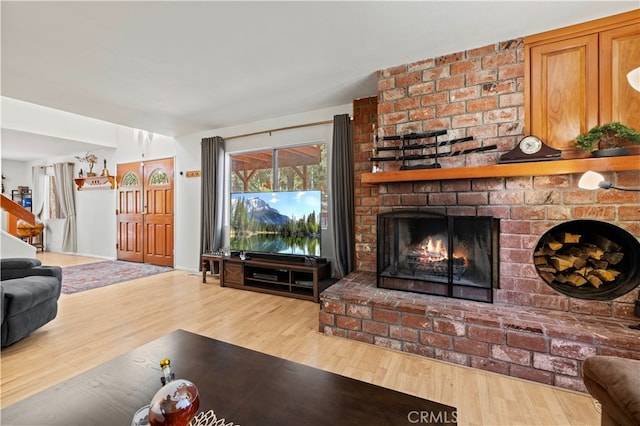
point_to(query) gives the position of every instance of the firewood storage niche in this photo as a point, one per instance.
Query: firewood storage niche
(589, 259)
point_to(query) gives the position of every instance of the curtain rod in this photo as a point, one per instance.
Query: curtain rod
(317, 123)
(51, 165)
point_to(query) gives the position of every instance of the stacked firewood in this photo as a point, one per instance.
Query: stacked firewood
(573, 260)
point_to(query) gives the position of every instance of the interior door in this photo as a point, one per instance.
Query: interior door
(129, 213)
(158, 216)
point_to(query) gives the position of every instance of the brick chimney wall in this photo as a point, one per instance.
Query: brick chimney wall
(530, 331)
(479, 93)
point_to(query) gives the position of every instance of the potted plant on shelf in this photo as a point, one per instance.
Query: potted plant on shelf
(92, 159)
(604, 140)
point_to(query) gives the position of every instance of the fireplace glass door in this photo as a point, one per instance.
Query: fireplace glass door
(452, 256)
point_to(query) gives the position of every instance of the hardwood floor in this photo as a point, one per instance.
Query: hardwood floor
(95, 326)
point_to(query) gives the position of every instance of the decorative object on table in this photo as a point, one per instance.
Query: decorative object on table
(530, 148)
(176, 403)
(105, 171)
(203, 418)
(92, 159)
(167, 375)
(80, 174)
(605, 140)
(141, 417)
(3, 178)
(209, 418)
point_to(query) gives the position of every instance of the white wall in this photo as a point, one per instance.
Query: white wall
(27, 117)
(11, 246)
(17, 173)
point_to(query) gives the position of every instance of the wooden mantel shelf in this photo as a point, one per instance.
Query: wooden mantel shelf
(96, 182)
(538, 168)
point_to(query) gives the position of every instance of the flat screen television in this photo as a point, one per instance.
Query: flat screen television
(283, 222)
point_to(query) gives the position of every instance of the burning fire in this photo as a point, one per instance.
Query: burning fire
(431, 251)
(434, 250)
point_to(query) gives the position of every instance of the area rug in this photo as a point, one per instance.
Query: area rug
(101, 274)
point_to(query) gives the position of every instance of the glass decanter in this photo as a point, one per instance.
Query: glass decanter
(176, 403)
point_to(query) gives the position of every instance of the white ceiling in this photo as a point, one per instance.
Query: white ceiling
(178, 67)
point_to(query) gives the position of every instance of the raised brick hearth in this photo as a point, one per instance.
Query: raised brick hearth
(530, 331)
(534, 344)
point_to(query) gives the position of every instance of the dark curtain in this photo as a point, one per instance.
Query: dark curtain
(212, 194)
(342, 165)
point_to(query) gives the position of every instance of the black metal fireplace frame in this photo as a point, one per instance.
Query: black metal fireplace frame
(453, 290)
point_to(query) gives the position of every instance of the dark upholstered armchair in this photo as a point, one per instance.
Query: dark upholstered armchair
(30, 294)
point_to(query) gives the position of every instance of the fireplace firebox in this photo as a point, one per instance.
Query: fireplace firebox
(431, 253)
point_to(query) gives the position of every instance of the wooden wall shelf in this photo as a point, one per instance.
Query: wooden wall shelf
(96, 182)
(537, 168)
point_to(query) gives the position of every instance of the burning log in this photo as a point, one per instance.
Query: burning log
(570, 259)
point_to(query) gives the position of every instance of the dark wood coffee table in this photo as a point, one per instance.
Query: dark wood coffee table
(243, 386)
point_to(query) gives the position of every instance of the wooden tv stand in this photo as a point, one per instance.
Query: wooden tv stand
(293, 279)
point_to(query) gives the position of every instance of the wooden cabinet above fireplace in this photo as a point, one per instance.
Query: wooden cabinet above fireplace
(575, 78)
(539, 168)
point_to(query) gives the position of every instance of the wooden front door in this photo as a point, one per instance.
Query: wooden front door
(145, 212)
(129, 213)
(158, 220)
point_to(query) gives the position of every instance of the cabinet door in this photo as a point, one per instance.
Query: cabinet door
(619, 54)
(563, 92)
(233, 273)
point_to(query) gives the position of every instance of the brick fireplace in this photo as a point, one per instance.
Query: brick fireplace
(530, 331)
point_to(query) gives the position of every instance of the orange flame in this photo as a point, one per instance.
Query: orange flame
(434, 250)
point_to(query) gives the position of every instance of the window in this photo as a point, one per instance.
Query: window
(286, 169)
(158, 177)
(299, 168)
(302, 168)
(130, 179)
(252, 172)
